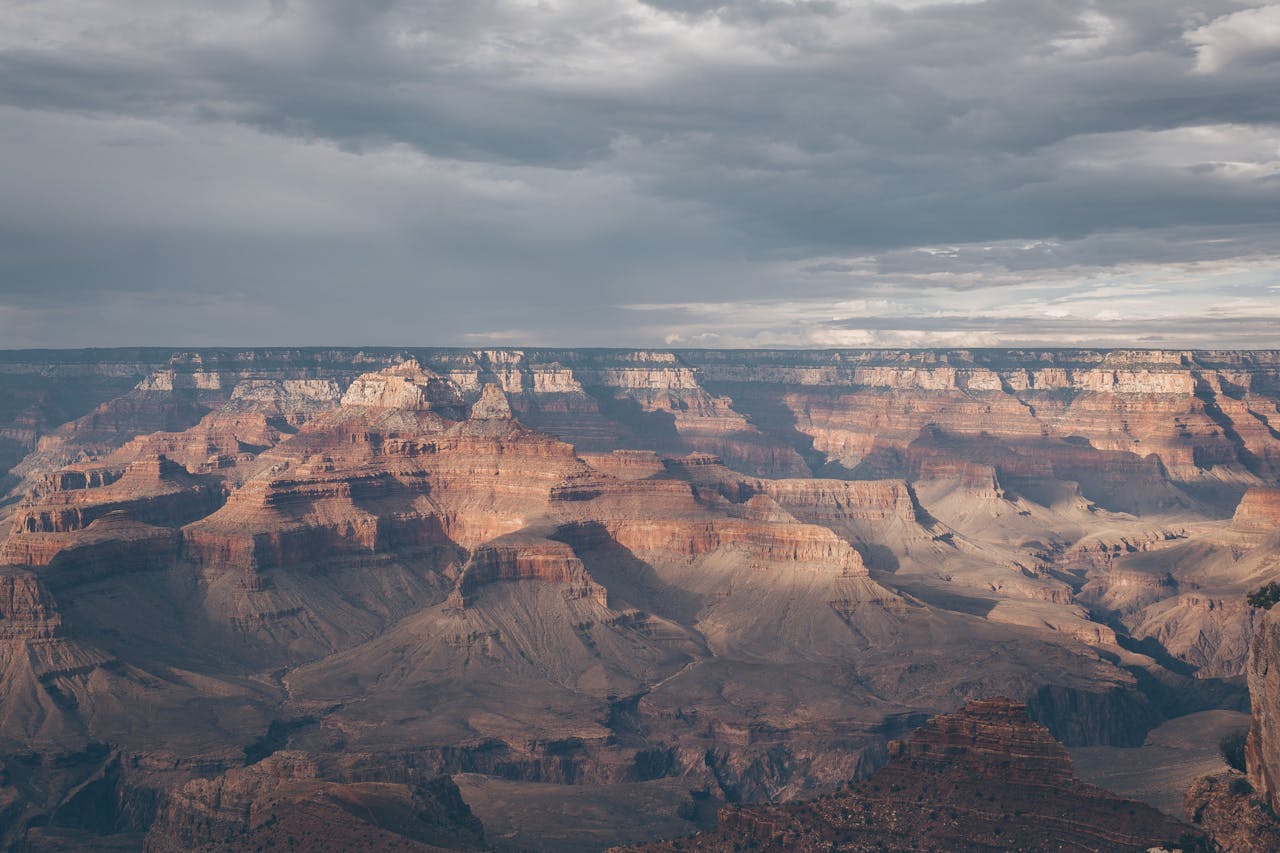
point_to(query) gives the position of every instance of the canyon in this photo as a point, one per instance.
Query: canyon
(404, 593)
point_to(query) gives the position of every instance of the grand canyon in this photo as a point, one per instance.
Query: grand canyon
(580, 599)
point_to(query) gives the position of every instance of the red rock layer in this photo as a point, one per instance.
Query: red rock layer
(109, 509)
(757, 540)
(150, 489)
(221, 440)
(387, 474)
(857, 407)
(626, 464)
(1259, 510)
(111, 546)
(520, 558)
(819, 501)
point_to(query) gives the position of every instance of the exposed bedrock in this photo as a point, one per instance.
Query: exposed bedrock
(1209, 633)
(764, 540)
(520, 559)
(155, 491)
(284, 800)
(1228, 808)
(819, 501)
(27, 610)
(1262, 750)
(1118, 717)
(1238, 809)
(110, 547)
(984, 778)
(1259, 510)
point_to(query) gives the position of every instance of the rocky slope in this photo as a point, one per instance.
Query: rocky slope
(1231, 812)
(985, 778)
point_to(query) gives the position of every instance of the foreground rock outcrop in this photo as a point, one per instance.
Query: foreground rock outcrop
(1238, 809)
(984, 778)
(1234, 816)
(1262, 749)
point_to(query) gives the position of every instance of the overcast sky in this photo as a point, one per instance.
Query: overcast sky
(619, 172)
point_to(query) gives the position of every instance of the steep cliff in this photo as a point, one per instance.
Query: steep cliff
(1262, 751)
(1238, 810)
(1259, 510)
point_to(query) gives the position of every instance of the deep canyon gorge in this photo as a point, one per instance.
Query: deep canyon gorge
(455, 599)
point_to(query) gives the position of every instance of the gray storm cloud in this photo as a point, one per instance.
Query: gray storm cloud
(623, 172)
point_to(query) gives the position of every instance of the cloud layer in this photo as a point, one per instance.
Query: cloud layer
(601, 172)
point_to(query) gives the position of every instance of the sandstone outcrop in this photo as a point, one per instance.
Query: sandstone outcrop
(492, 405)
(406, 386)
(123, 517)
(293, 400)
(154, 489)
(1259, 510)
(516, 558)
(857, 414)
(626, 464)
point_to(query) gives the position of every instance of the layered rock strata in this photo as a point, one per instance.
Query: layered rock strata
(605, 567)
(1259, 510)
